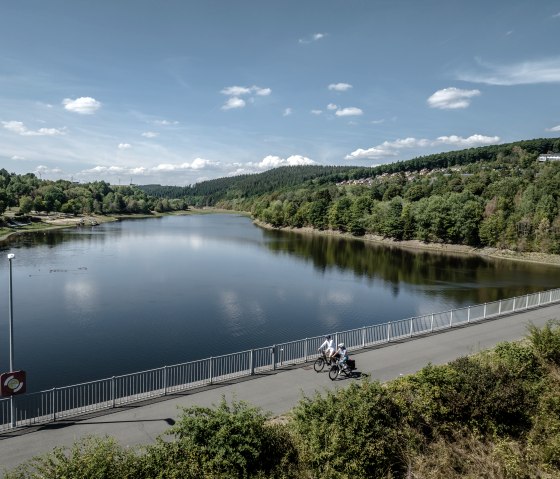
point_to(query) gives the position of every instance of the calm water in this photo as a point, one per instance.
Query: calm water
(134, 295)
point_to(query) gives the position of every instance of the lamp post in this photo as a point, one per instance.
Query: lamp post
(11, 256)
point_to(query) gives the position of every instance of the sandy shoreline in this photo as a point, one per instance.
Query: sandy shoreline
(540, 258)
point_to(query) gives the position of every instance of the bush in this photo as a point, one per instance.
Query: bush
(89, 458)
(226, 441)
(546, 342)
(353, 432)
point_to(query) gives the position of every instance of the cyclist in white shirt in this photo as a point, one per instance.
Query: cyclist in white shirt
(328, 344)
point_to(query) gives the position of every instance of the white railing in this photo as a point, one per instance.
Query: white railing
(71, 401)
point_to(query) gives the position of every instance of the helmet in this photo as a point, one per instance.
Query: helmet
(341, 345)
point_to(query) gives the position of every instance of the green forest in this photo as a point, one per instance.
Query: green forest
(499, 196)
(27, 193)
(495, 414)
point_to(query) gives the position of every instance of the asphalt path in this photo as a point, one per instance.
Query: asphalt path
(276, 392)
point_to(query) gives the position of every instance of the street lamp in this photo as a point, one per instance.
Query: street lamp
(11, 256)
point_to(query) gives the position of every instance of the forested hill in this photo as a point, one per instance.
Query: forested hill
(499, 196)
(208, 193)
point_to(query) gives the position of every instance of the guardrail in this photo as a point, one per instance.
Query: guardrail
(71, 401)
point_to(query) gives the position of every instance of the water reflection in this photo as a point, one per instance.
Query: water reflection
(465, 279)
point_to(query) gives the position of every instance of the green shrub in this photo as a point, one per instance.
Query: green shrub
(88, 458)
(353, 432)
(546, 342)
(225, 441)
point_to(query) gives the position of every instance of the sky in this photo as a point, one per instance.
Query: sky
(176, 92)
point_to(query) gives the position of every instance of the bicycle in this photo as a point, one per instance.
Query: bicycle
(320, 362)
(342, 368)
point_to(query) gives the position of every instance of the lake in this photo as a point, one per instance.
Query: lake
(132, 295)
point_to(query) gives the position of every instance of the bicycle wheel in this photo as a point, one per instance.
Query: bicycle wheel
(333, 372)
(319, 365)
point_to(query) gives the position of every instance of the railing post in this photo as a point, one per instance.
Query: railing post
(305, 351)
(389, 331)
(273, 350)
(526, 301)
(432, 323)
(514, 304)
(469, 314)
(363, 337)
(484, 313)
(411, 324)
(252, 362)
(113, 392)
(165, 380)
(451, 319)
(211, 370)
(53, 400)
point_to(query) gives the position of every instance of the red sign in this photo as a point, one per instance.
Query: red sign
(12, 383)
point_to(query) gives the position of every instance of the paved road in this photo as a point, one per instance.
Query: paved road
(276, 392)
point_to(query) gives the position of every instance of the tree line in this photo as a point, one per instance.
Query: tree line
(28, 193)
(497, 196)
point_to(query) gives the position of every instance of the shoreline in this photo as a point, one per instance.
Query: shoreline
(57, 221)
(494, 253)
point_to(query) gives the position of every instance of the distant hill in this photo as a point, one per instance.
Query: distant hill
(209, 193)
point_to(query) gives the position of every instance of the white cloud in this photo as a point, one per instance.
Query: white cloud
(19, 128)
(316, 112)
(473, 140)
(233, 102)
(163, 168)
(262, 91)
(340, 86)
(272, 161)
(554, 128)
(332, 106)
(452, 98)
(235, 92)
(557, 15)
(524, 73)
(244, 90)
(150, 134)
(287, 112)
(392, 148)
(45, 170)
(124, 146)
(313, 38)
(17, 158)
(349, 111)
(84, 105)
(166, 122)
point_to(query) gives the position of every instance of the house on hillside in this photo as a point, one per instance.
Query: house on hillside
(549, 157)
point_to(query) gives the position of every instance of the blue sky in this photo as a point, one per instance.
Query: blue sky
(179, 91)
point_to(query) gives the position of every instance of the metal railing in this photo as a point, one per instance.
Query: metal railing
(71, 401)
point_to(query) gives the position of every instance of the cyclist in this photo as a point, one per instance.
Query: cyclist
(328, 344)
(342, 353)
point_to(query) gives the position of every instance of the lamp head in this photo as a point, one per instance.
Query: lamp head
(11, 256)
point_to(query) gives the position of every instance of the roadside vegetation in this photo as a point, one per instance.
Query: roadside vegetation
(495, 414)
